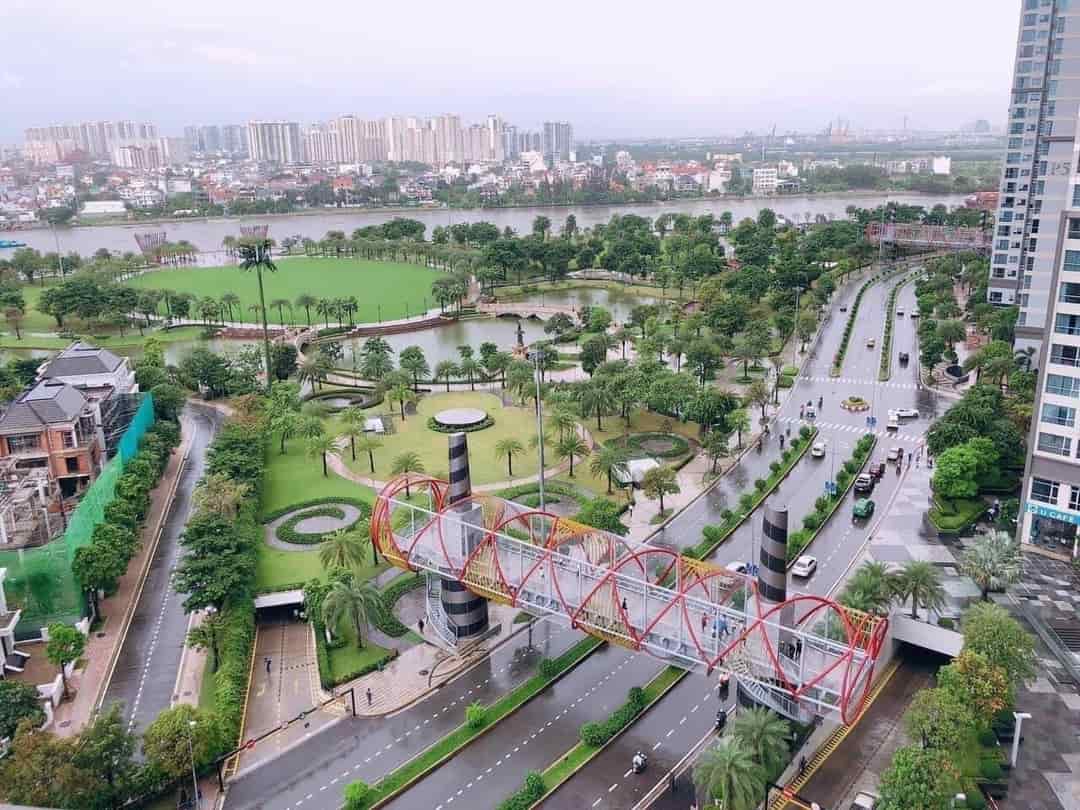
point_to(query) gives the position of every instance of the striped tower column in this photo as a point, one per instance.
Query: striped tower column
(772, 570)
(466, 613)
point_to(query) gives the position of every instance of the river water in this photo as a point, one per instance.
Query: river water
(207, 234)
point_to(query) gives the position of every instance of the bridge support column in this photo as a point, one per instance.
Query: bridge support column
(466, 613)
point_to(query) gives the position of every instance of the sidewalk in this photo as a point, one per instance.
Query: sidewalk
(104, 644)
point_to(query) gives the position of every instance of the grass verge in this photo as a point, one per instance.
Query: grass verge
(403, 777)
(953, 516)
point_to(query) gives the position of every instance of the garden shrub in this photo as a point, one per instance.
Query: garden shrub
(786, 382)
(946, 622)
(786, 455)
(760, 483)
(975, 799)
(487, 422)
(775, 467)
(987, 737)
(597, 734)
(822, 503)
(726, 515)
(383, 616)
(363, 506)
(527, 795)
(805, 431)
(356, 795)
(746, 502)
(287, 532)
(990, 769)
(475, 715)
(548, 668)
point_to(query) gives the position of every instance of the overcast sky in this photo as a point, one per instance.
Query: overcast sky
(632, 68)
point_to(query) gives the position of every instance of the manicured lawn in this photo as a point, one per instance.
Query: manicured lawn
(641, 421)
(391, 285)
(206, 690)
(413, 435)
(350, 658)
(295, 478)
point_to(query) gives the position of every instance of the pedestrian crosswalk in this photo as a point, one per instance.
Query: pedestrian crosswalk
(855, 430)
(854, 381)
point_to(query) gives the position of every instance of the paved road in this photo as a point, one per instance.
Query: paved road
(604, 782)
(149, 659)
(313, 774)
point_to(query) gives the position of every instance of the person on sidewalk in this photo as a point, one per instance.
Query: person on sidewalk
(267, 667)
(420, 624)
(369, 696)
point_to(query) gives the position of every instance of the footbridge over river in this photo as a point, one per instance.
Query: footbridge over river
(804, 657)
(525, 309)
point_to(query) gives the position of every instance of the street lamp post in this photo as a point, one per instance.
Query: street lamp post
(194, 777)
(1020, 718)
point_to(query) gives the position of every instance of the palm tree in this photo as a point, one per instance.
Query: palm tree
(446, 370)
(352, 431)
(369, 444)
(872, 588)
(561, 421)
(229, 300)
(412, 360)
(509, 448)
(325, 307)
(728, 775)
(321, 447)
(281, 303)
(610, 461)
(342, 549)
(405, 464)
(569, 446)
(623, 335)
(738, 421)
(307, 302)
(920, 581)
(765, 734)
(401, 394)
(596, 398)
(469, 369)
(311, 371)
(347, 598)
(993, 561)
(256, 256)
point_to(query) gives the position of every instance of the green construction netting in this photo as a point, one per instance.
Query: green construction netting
(39, 580)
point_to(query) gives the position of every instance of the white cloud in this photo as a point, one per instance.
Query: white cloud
(227, 55)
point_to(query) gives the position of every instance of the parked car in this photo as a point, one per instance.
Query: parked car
(864, 508)
(864, 801)
(804, 567)
(877, 471)
(907, 413)
(869, 343)
(904, 358)
(818, 450)
(900, 313)
(864, 482)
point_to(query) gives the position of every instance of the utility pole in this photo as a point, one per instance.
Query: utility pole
(537, 358)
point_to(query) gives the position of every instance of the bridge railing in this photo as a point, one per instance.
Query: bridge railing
(642, 597)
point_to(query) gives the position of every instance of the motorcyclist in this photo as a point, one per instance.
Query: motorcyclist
(781, 441)
(721, 719)
(639, 762)
(820, 402)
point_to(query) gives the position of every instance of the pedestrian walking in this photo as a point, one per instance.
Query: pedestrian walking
(421, 625)
(369, 696)
(704, 622)
(267, 666)
(802, 764)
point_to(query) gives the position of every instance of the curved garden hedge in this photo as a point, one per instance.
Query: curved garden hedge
(287, 532)
(634, 442)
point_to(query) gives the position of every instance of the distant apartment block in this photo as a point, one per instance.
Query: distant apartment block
(97, 139)
(275, 142)
(558, 140)
(765, 180)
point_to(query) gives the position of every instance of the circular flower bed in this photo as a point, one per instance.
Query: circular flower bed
(439, 427)
(289, 531)
(855, 404)
(660, 445)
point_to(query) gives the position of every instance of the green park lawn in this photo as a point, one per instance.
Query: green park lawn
(413, 435)
(296, 477)
(350, 658)
(381, 288)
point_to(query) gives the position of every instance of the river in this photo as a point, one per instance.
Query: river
(207, 234)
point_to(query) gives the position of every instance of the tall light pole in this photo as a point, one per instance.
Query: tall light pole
(191, 751)
(536, 355)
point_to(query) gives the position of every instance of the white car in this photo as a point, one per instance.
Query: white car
(865, 800)
(870, 343)
(804, 567)
(736, 567)
(818, 450)
(899, 313)
(906, 413)
(893, 454)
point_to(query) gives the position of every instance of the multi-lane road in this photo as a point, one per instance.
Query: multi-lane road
(313, 774)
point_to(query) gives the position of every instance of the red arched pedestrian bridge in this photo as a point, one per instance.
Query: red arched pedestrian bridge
(805, 656)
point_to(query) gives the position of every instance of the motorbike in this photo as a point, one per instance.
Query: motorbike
(721, 720)
(639, 762)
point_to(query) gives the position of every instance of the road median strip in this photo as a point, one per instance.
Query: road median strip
(561, 771)
(409, 773)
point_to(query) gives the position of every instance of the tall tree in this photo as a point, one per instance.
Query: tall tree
(569, 446)
(65, 645)
(609, 461)
(727, 775)
(658, 482)
(369, 444)
(765, 734)
(342, 549)
(412, 360)
(406, 464)
(351, 600)
(256, 255)
(321, 447)
(508, 448)
(920, 581)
